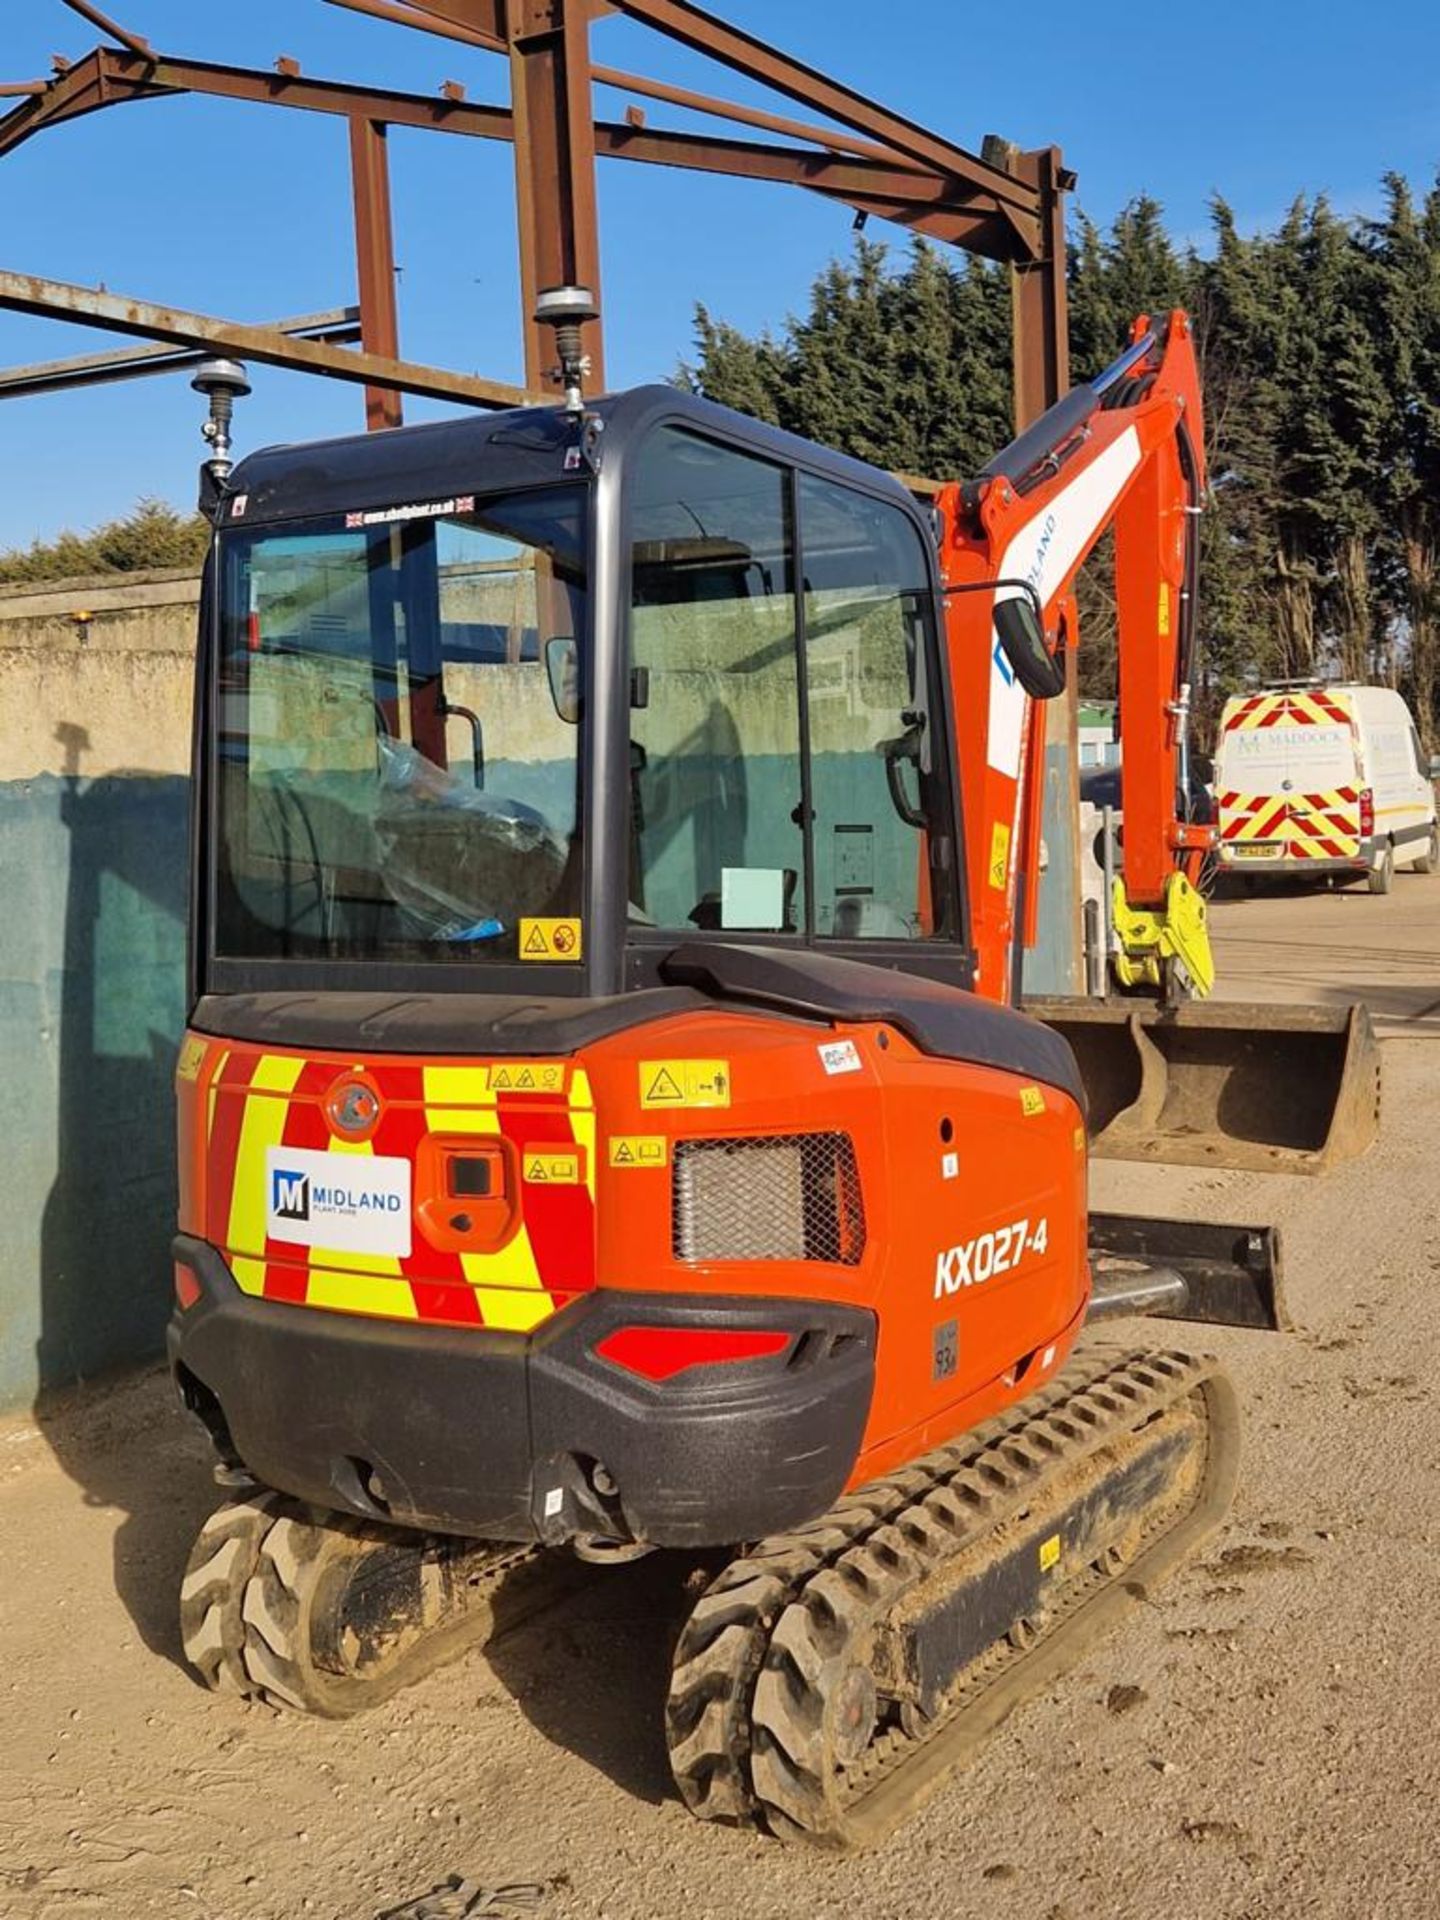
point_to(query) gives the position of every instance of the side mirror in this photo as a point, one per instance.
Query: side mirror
(1020, 629)
(562, 669)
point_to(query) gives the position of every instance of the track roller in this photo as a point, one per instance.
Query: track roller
(326, 1614)
(825, 1684)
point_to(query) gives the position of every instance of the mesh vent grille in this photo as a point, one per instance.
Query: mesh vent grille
(790, 1197)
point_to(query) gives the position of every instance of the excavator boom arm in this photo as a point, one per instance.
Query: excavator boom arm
(1122, 455)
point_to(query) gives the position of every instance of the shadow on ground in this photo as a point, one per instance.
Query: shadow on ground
(589, 1669)
(591, 1673)
(127, 1446)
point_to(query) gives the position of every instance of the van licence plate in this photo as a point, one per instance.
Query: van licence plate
(1259, 850)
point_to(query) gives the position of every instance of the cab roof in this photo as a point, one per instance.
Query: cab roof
(520, 447)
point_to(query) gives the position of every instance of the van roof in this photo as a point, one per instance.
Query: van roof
(1311, 686)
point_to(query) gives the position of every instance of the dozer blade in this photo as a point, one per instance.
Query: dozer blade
(1204, 1270)
(1282, 1089)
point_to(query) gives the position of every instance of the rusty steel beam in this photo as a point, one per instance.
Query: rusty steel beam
(1041, 363)
(401, 15)
(338, 327)
(89, 11)
(901, 142)
(375, 262)
(80, 89)
(107, 78)
(743, 116)
(925, 201)
(704, 33)
(1040, 307)
(554, 169)
(404, 16)
(757, 60)
(119, 313)
(492, 19)
(928, 202)
(904, 141)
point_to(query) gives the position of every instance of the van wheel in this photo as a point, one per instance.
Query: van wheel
(1429, 861)
(1383, 871)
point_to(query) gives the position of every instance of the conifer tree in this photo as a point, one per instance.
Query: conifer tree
(1319, 345)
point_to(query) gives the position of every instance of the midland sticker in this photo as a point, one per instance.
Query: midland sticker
(345, 1202)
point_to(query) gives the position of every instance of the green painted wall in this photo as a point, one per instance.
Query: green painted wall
(92, 937)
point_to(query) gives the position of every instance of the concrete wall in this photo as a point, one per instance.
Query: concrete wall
(94, 725)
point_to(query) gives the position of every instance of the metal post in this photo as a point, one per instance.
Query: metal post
(1042, 376)
(375, 261)
(1042, 337)
(554, 170)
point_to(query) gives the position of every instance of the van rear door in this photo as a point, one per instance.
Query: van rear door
(1288, 780)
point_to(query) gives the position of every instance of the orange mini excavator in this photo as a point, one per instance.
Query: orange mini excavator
(602, 1121)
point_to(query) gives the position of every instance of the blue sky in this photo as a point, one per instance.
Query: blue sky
(244, 211)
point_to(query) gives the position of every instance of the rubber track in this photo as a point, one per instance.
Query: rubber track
(249, 1596)
(722, 1644)
(212, 1591)
(746, 1714)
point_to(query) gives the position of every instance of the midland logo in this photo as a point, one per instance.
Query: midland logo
(1036, 570)
(289, 1194)
(293, 1196)
(347, 1202)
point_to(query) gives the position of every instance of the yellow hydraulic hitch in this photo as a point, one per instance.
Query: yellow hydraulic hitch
(1164, 947)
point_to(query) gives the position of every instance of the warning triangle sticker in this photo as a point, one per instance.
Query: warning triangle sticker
(665, 1087)
(535, 942)
(536, 1171)
(499, 1079)
(623, 1155)
(527, 1079)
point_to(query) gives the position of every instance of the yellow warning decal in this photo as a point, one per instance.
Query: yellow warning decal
(526, 1076)
(684, 1083)
(1049, 1553)
(1032, 1101)
(999, 855)
(192, 1058)
(550, 940)
(556, 1169)
(1162, 611)
(639, 1150)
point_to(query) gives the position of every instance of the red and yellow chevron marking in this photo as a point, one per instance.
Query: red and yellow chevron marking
(1301, 708)
(1308, 826)
(256, 1101)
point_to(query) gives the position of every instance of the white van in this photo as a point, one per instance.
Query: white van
(1323, 780)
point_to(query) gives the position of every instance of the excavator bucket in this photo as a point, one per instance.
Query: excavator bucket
(1282, 1089)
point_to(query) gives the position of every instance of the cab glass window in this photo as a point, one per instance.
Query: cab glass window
(874, 780)
(393, 771)
(785, 771)
(716, 784)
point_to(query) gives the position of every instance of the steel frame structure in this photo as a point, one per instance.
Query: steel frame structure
(1003, 204)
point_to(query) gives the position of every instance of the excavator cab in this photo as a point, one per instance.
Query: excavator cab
(609, 684)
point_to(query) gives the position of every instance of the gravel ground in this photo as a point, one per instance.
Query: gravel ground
(1260, 1741)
